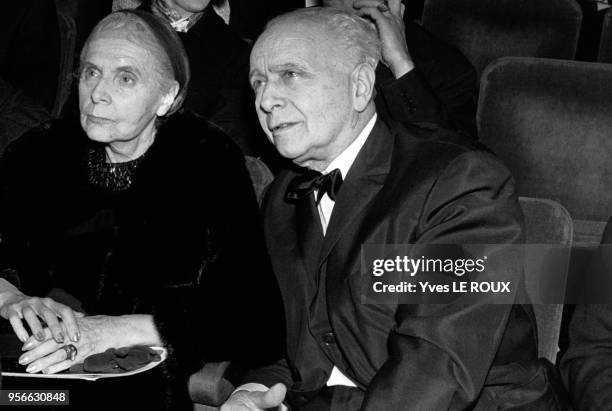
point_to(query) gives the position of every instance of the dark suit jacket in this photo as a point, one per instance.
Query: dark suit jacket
(586, 366)
(219, 87)
(442, 89)
(249, 17)
(405, 186)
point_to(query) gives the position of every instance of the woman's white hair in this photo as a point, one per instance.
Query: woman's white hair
(353, 35)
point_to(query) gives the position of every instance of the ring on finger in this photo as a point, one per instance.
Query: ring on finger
(71, 351)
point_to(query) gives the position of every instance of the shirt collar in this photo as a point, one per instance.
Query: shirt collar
(345, 160)
(178, 23)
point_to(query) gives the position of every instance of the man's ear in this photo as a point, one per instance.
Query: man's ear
(363, 77)
(168, 99)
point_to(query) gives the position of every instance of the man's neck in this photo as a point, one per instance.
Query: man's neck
(358, 124)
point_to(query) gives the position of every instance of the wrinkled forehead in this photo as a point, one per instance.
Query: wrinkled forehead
(291, 41)
(130, 28)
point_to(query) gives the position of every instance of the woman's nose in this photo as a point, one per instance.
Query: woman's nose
(100, 92)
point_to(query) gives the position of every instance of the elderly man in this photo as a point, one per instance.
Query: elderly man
(359, 181)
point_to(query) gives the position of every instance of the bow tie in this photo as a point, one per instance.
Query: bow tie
(303, 185)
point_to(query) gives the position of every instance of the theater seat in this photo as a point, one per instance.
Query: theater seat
(67, 27)
(485, 30)
(260, 174)
(550, 121)
(547, 222)
(210, 387)
(605, 43)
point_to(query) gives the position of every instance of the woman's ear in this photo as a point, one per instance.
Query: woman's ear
(168, 99)
(364, 77)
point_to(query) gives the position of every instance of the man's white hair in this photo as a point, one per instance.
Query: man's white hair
(355, 36)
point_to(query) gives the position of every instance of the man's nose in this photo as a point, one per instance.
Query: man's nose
(100, 92)
(270, 98)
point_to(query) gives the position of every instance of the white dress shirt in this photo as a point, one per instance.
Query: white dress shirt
(343, 162)
(326, 206)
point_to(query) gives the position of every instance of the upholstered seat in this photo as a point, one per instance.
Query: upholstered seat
(550, 121)
(485, 30)
(605, 43)
(547, 223)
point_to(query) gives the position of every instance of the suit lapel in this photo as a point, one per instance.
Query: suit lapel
(363, 182)
(309, 233)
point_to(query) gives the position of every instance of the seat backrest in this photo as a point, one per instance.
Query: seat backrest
(67, 28)
(485, 30)
(547, 222)
(549, 121)
(260, 174)
(605, 42)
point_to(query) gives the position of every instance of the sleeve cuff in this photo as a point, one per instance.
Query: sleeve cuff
(253, 386)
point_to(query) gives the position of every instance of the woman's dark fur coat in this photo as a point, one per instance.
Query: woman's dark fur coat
(183, 243)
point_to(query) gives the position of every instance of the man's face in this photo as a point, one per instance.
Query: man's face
(119, 89)
(303, 92)
(187, 6)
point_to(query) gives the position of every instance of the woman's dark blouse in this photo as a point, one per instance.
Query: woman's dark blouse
(183, 243)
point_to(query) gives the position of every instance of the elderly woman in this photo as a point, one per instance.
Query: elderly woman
(142, 217)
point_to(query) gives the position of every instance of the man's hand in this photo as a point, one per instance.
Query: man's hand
(243, 400)
(388, 18)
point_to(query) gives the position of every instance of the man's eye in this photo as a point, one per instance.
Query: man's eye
(89, 72)
(256, 84)
(290, 74)
(126, 79)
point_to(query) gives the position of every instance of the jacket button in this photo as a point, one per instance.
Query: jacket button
(328, 338)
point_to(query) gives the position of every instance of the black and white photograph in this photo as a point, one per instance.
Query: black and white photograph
(306, 205)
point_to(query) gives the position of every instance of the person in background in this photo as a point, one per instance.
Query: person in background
(219, 62)
(143, 216)
(421, 79)
(249, 17)
(29, 66)
(18, 114)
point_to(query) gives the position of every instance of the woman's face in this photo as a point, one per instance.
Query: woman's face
(120, 91)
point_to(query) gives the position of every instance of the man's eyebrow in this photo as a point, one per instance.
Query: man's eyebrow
(131, 69)
(286, 66)
(254, 72)
(85, 63)
(278, 68)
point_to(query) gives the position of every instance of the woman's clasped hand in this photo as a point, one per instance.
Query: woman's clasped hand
(50, 356)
